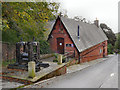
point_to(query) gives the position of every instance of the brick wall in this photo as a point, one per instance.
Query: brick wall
(60, 71)
(94, 52)
(8, 51)
(56, 33)
(72, 62)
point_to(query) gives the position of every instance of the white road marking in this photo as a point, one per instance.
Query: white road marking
(112, 74)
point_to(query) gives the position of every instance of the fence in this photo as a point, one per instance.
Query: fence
(69, 54)
(8, 51)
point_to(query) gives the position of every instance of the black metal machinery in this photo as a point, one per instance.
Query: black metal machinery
(26, 52)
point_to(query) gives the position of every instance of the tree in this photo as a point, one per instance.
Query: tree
(44, 47)
(117, 43)
(26, 20)
(110, 49)
(63, 13)
(79, 18)
(109, 33)
(103, 26)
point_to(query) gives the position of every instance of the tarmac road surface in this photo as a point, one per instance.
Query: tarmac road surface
(100, 75)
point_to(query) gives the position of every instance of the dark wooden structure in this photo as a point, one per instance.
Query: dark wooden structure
(26, 52)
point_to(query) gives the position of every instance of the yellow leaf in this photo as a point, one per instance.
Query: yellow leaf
(8, 26)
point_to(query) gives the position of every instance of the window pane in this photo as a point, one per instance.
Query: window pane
(66, 45)
(69, 45)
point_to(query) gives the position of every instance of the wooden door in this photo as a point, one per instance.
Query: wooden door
(60, 45)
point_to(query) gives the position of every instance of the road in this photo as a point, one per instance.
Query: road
(101, 75)
(119, 71)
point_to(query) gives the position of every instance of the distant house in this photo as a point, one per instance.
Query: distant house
(87, 40)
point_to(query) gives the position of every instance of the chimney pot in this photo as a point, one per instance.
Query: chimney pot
(96, 22)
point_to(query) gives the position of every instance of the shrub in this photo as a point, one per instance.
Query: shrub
(55, 60)
(44, 47)
(56, 54)
(7, 62)
(110, 49)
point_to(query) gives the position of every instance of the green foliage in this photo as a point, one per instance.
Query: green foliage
(55, 60)
(9, 36)
(110, 49)
(63, 60)
(6, 63)
(44, 47)
(103, 26)
(109, 33)
(117, 43)
(26, 19)
(56, 55)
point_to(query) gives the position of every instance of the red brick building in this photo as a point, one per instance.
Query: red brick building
(87, 40)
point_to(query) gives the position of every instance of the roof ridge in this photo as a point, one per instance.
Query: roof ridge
(77, 21)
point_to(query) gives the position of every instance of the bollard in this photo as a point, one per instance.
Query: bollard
(59, 59)
(31, 69)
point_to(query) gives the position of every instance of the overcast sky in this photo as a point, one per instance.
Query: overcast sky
(106, 11)
(119, 17)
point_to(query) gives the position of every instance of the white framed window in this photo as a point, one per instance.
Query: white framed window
(69, 45)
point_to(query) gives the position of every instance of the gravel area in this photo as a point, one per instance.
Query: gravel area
(24, 74)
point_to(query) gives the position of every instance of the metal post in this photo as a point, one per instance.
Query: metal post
(17, 53)
(30, 50)
(79, 58)
(38, 51)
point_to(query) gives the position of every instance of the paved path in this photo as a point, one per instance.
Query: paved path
(50, 59)
(24, 74)
(101, 75)
(81, 66)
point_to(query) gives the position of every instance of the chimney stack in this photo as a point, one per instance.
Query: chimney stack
(78, 34)
(96, 22)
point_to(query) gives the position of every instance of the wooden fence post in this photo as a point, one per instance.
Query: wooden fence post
(59, 59)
